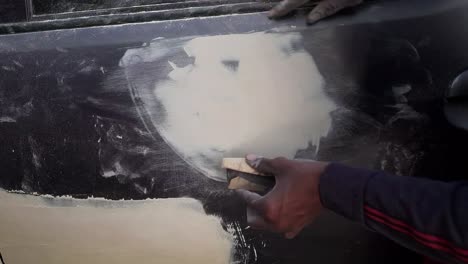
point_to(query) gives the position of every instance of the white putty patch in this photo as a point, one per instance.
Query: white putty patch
(38, 229)
(246, 93)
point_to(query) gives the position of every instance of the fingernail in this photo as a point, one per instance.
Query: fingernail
(251, 157)
(289, 235)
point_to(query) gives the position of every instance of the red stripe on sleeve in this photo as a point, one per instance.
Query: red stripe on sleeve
(422, 235)
(423, 242)
(425, 239)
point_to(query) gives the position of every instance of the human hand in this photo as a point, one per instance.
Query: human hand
(324, 9)
(294, 201)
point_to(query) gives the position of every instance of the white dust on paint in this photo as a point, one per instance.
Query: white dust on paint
(7, 119)
(247, 93)
(37, 229)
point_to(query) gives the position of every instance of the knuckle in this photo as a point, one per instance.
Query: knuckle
(282, 163)
(265, 164)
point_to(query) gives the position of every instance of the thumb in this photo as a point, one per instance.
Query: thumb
(261, 164)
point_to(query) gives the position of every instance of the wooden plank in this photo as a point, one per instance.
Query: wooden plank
(239, 164)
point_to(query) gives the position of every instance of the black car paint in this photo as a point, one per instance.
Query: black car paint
(74, 118)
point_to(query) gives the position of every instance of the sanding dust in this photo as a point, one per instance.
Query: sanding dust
(64, 230)
(247, 93)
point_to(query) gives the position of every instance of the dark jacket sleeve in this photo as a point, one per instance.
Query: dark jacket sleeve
(427, 216)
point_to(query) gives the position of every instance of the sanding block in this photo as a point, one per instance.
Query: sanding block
(241, 176)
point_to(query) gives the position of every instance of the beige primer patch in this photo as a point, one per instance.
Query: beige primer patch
(36, 229)
(247, 93)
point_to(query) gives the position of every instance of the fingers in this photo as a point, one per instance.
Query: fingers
(322, 10)
(255, 209)
(254, 201)
(329, 7)
(267, 166)
(284, 7)
(255, 220)
(262, 213)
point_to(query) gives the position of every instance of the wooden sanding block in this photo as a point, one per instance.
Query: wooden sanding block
(241, 176)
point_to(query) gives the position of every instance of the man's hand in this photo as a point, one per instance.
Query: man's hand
(324, 8)
(293, 203)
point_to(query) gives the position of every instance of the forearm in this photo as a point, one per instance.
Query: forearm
(426, 216)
